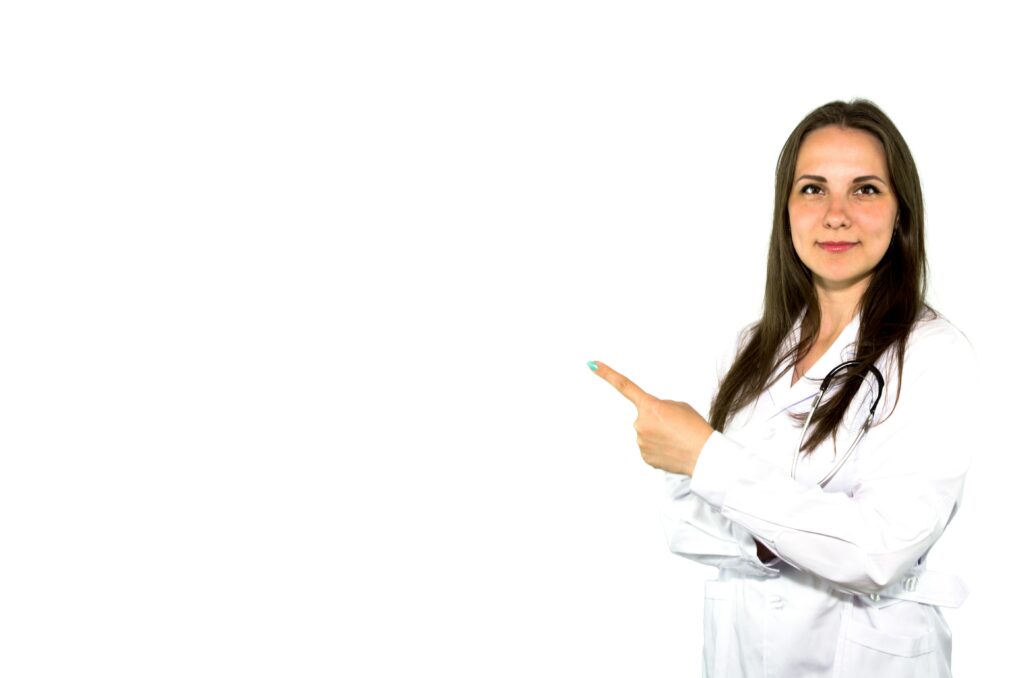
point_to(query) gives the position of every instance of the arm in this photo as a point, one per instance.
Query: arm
(910, 474)
(696, 530)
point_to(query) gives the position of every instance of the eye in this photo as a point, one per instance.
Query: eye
(869, 189)
(814, 189)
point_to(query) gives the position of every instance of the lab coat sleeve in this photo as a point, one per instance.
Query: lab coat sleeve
(698, 531)
(908, 477)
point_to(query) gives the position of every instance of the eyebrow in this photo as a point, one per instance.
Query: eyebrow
(857, 180)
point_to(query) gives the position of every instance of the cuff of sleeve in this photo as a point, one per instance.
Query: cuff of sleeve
(676, 485)
(717, 469)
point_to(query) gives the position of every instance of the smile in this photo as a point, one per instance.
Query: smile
(836, 246)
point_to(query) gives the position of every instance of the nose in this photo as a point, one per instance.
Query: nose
(836, 216)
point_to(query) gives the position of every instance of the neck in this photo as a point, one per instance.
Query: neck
(838, 307)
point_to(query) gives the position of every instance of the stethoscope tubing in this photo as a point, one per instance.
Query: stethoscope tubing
(814, 406)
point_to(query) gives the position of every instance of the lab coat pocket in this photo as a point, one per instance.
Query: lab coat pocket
(867, 651)
(719, 603)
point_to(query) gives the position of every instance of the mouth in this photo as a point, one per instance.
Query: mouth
(836, 246)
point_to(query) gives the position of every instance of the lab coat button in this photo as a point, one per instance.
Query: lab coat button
(875, 597)
(910, 584)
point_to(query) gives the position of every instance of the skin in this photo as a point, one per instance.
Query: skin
(830, 202)
(670, 433)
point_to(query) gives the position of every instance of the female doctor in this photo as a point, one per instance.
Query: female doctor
(820, 525)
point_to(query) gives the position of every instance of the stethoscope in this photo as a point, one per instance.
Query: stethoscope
(814, 406)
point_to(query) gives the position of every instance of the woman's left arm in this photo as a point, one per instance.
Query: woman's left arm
(909, 479)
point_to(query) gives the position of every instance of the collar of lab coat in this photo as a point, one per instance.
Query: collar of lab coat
(842, 349)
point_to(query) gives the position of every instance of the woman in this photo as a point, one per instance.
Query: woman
(820, 528)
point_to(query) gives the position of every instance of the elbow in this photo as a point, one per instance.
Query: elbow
(892, 561)
(881, 582)
(870, 585)
(855, 570)
(878, 573)
(863, 577)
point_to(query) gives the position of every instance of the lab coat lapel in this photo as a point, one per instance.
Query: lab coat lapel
(843, 348)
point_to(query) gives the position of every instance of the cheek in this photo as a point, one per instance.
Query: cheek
(882, 239)
(877, 217)
(802, 217)
(793, 210)
(800, 227)
(879, 226)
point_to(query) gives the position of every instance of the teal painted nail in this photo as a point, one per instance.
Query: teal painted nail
(592, 365)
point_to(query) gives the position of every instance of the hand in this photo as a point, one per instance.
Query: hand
(763, 554)
(670, 433)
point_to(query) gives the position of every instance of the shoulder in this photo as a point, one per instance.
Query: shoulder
(939, 378)
(935, 336)
(938, 359)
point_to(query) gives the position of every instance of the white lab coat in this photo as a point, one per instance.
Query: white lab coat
(850, 593)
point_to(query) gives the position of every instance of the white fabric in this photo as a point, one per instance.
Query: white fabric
(849, 593)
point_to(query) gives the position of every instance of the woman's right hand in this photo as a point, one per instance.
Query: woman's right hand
(763, 554)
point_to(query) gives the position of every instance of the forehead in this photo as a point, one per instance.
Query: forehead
(841, 150)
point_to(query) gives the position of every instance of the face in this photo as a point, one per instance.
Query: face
(842, 208)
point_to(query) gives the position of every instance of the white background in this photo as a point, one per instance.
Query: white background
(296, 301)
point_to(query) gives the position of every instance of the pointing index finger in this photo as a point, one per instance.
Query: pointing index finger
(623, 385)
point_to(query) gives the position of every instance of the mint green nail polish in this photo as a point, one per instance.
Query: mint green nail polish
(592, 365)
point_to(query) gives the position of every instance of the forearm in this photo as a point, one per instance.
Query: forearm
(697, 531)
(861, 542)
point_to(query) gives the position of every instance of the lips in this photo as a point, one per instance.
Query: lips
(835, 246)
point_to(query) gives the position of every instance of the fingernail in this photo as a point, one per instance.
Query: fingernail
(592, 365)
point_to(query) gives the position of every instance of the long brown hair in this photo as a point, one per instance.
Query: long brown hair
(892, 303)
